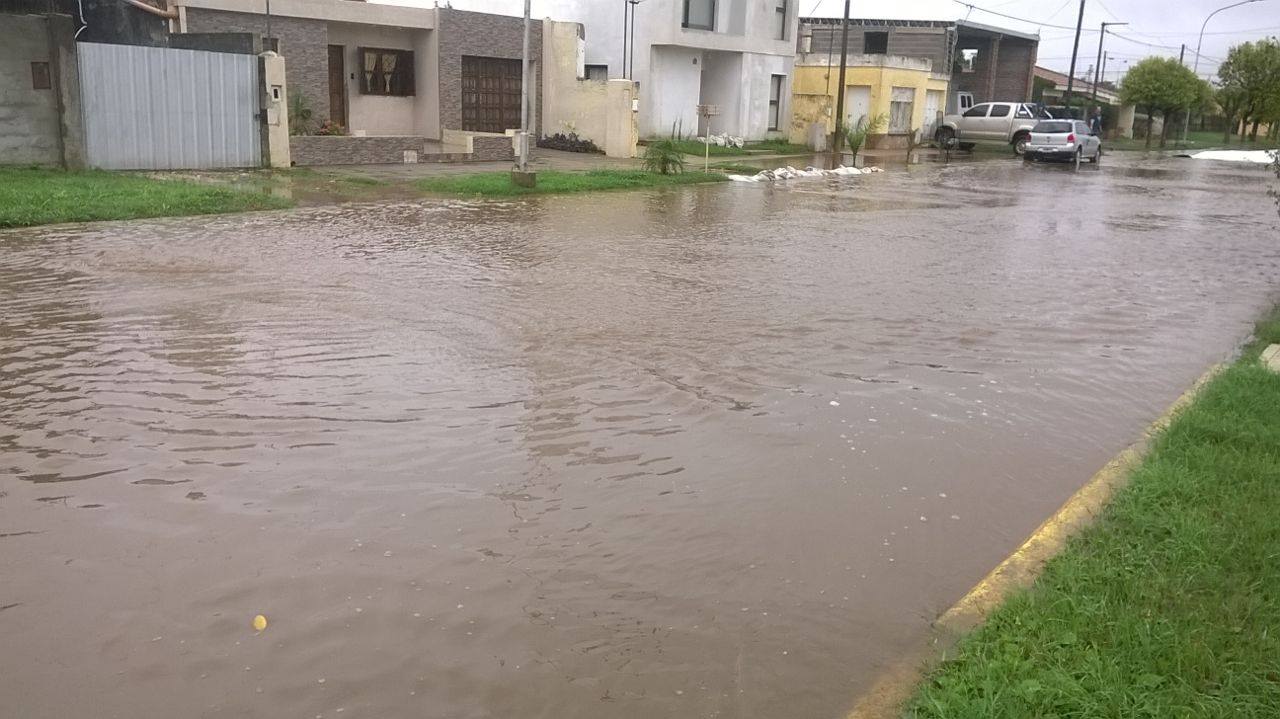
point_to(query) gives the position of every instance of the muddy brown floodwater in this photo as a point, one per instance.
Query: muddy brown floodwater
(701, 452)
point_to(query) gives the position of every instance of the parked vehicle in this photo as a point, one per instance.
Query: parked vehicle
(959, 103)
(1005, 123)
(1063, 141)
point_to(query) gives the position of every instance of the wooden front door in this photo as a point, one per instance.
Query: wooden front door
(337, 85)
(490, 94)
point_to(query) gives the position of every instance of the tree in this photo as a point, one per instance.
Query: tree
(1161, 84)
(1251, 73)
(1231, 99)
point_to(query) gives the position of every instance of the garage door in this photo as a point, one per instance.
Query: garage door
(490, 94)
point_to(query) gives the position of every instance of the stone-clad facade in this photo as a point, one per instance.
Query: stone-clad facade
(304, 44)
(384, 126)
(480, 34)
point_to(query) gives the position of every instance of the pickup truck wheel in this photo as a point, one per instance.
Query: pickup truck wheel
(967, 146)
(1020, 142)
(945, 136)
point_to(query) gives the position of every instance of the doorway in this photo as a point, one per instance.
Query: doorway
(491, 94)
(857, 105)
(337, 85)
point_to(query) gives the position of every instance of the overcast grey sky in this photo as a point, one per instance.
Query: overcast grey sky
(1163, 23)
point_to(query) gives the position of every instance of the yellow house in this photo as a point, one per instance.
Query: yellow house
(903, 90)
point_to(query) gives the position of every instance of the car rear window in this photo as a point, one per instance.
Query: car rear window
(1052, 127)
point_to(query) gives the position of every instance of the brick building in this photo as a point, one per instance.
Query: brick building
(400, 79)
(991, 63)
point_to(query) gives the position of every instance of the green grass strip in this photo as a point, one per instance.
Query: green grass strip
(1196, 140)
(551, 182)
(30, 196)
(1169, 606)
(764, 147)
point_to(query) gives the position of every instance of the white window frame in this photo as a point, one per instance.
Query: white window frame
(778, 83)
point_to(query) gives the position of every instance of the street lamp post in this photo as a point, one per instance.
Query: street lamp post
(1186, 121)
(1097, 77)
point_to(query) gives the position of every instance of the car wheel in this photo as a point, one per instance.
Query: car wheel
(1079, 158)
(1020, 144)
(945, 136)
(967, 146)
(1097, 156)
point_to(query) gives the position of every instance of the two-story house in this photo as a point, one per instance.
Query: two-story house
(735, 54)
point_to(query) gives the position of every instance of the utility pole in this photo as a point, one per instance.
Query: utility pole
(1182, 55)
(1098, 78)
(631, 69)
(838, 150)
(522, 176)
(1075, 51)
(626, 18)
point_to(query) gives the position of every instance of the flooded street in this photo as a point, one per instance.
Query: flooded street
(716, 451)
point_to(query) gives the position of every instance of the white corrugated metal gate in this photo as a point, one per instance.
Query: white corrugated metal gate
(158, 108)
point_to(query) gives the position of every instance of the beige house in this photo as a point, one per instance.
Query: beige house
(581, 103)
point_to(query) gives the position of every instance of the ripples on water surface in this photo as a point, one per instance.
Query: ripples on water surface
(715, 451)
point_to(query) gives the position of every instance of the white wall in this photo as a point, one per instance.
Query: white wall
(757, 70)
(426, 105)
(378, 114)
(673, 94)
(722, 86)
(741, 26)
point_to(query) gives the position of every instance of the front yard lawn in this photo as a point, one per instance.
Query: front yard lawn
(550, 182)
(766, 147)
(35, 196)
(1169, 606)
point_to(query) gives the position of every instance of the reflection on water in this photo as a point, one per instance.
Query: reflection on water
(711, 451)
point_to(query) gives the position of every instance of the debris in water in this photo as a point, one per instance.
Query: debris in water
(259, 623)
(791, 173)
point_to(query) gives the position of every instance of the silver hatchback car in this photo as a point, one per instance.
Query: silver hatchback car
(1063, 141)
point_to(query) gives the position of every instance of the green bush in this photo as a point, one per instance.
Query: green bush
(858, 135)
(663, 157)
(299, 115)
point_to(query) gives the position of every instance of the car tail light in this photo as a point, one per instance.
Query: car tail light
(1071, 139)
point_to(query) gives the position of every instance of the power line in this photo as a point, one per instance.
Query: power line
(1108, 10)
(1019, 19)
(1193, 33)
(1139, 42)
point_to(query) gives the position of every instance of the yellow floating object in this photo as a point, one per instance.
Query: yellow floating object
(259, 622)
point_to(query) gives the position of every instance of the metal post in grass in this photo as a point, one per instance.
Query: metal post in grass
(521, 175)
(708, 112)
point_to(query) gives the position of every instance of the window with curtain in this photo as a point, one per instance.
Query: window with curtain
(386, 72)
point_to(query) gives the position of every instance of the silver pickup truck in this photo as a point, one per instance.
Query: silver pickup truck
(1004, 123)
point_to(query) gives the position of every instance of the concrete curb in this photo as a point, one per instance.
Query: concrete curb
(885, 698)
